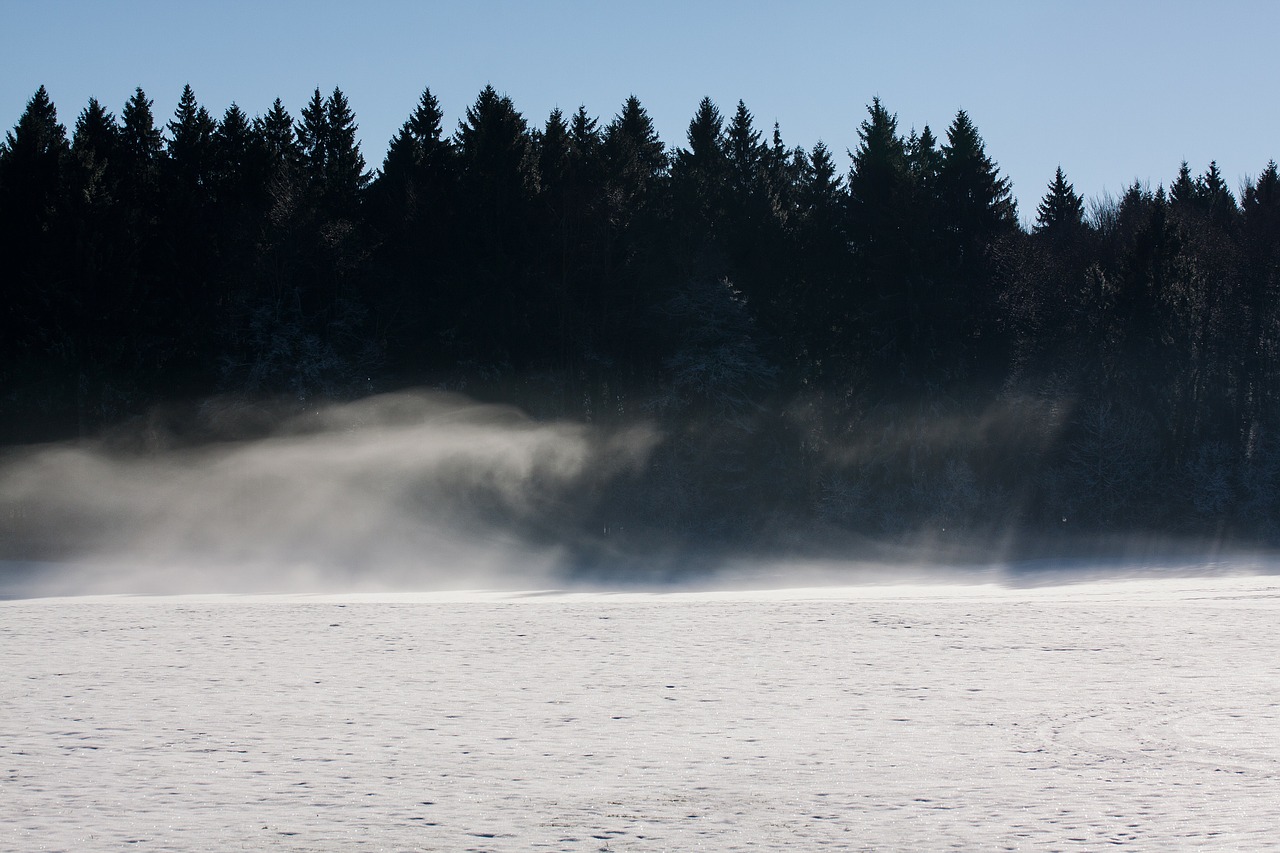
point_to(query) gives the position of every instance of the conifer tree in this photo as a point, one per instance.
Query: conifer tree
(924, 168)
(884, 307)
(417, 154)
(233, 157)
(190, 147)
(572, 239)
(878, 183)
(977, 206)
(33, 158)
(754, 240)
(1216, 198)
(141, 146)
(1061, 211)
(822, 189)
(1261, 201)
(279, 143)
(635, 156)
(745, 152)
(496, 149)
(699, 179)
(822, 292)
(95, 147)
(1260, 257)
(924, 162)
(497, 177)
(414, 187)
(313, 139)
(345, 177)
(1184, 191)
(553, 151)
(977, 199)
(31, 164)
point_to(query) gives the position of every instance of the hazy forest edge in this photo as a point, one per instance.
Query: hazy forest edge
(831, 349)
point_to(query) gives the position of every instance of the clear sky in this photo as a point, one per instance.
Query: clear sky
(1113, 91)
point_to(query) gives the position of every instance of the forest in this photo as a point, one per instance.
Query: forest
(833, 349)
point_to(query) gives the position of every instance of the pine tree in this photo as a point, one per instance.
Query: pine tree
(1260, 244)
(822, 291)
(31, 164)
(496, 149)
(1184, 191)
(571, 242)
(976, 209)
(33, 159)
(417, 153)
(635, 157)
(699, 180)
(924, 162)
(141, 146)
(414, 187)
(95, 145)
(1262, 197)
(1216, 198)
(752, 232)
(822, 190)
(190, 147)
(234, 153)
(313, 140)
(278, 140)
(554, 151)
(746, 154)
(878, 183)
(1061, 211)
(978, 201)
(345, 177)
(497, 180)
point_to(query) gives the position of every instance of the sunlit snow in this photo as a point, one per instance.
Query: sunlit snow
(985, 717)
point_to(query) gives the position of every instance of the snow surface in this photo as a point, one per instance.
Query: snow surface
(1142, 714)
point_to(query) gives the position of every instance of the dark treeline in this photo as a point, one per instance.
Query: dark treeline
(877, 349)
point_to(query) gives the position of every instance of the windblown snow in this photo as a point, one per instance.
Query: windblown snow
(1078, 717)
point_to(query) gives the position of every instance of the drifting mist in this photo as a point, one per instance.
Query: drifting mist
(404, 490)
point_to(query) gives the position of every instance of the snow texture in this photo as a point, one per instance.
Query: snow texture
(1140, 714)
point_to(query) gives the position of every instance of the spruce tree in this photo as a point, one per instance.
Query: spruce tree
(1061, 211)
(95, 146)
(924, 162)
(497, 181)
(976, 209)
(190, 147)
(33, 159)
(141, 146)
(31, 164)
(699, 182)
(746, 153)
(636, 158)
(878, 183)
(234, 154)
(278, 141)
(1184, 191)
(978, 200)
(1216, 198)
(554, 151)
(1261, 202)
(313, 139)
(345, 177)
(416, 152)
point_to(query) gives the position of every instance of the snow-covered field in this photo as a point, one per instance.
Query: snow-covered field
(1141, 714)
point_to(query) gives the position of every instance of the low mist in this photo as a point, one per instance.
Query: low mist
(403, 491)
(429, 491)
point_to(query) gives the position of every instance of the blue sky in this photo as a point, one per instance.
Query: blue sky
(1112, 91)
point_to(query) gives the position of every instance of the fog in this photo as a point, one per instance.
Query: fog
(425, 491)
(407, 491)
